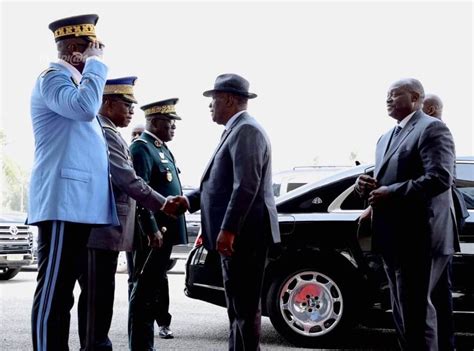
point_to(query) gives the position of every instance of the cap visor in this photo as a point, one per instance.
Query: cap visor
(174, 116)
(130, 98)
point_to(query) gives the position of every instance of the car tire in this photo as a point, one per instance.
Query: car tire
(310, 304)
(9, 273)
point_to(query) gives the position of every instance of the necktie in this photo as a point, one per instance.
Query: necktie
(397, 131)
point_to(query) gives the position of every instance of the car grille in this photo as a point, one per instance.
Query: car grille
(15, 238)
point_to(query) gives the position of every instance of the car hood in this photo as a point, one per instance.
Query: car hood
(12, 217)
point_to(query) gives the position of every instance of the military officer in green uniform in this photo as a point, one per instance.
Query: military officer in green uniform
(154, 162)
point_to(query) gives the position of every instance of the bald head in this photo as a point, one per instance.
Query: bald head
(404, 97)
(433, 106)
(137, 131)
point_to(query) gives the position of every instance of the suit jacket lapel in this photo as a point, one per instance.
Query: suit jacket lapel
(221, 142)
(397, 142)
(381, 150)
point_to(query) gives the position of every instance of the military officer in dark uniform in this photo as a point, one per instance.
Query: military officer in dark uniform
(154, 162)
(96, 303)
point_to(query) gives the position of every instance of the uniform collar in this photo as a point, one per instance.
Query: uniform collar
(154, 137)
(107, 122)
(76, 75)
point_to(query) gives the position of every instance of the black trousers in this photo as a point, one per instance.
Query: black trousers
(60, 247)
(96, 301)
(421, 301)
(130, 270)
(243, 277)
(149, 299)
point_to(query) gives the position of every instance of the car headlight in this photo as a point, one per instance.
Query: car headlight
(34, 232)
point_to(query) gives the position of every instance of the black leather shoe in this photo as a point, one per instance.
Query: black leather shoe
(165, 333)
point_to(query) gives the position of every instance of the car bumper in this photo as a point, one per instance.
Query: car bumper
(15, 260)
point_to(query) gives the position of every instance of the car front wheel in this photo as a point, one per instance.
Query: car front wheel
(8, 273)
(311, 304)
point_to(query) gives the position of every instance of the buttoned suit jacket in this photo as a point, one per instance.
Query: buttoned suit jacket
(236, 188)
(418, 169)
(70, 177)
(128, 188)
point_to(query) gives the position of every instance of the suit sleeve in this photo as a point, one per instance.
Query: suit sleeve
(79, 103)
(248, 152)
(194, 199)
(436, 152)
(125, 178)
(142, 162)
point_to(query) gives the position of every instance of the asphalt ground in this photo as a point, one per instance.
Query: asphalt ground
(197, 325)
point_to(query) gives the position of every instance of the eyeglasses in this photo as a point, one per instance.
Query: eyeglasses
(128, 105)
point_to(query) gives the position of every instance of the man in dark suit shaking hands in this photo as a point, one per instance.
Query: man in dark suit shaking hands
(238, 212)
(413, 216)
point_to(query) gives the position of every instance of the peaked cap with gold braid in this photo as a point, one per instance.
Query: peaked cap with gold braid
(164, 108)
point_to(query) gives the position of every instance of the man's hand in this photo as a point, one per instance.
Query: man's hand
(155, 241)
(175, 205)
(365, 184)
(378, 196)
(95, 48)
(225, 243)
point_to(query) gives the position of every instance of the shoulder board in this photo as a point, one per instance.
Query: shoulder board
(140, 140)
(48, 70)
(110, 128)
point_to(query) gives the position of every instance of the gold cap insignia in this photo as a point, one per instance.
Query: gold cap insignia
(77, 30)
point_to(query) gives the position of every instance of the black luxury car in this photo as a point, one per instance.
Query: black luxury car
(323, 279)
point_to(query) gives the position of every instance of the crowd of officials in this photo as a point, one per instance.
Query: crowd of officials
(92, 196)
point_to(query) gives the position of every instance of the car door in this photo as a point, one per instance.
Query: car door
(463, 262)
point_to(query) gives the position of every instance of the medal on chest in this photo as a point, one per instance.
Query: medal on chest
(169, 176)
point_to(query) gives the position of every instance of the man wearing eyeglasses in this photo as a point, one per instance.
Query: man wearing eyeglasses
(98, 280)
(154, 162)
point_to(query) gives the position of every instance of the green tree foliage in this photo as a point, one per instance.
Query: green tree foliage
(14, 181)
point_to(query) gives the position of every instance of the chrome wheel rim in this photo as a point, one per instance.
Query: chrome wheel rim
(311, 303)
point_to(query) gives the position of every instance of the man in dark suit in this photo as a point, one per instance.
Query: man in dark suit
(413, 217)
(154, 162)
(100, 264)
(238, 213)
(433, 106)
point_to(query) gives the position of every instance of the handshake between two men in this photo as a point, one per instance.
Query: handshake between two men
(175, 205)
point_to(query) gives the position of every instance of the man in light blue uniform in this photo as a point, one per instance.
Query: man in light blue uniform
(70, 189)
